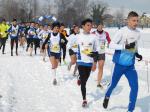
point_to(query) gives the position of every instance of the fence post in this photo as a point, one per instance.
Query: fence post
(146, 62)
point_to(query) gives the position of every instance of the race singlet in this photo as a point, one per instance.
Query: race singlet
(55, 48)
(87, 48)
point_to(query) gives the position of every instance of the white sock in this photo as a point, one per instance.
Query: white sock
(69, 66)
(44, 54)
(54, 73)
(75, 69)
(31, 51)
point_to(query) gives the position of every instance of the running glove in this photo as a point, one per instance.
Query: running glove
(137, 55)
(94, 55)
(130, 46)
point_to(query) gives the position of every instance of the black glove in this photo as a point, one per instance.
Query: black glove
(129, 46)
(6, 31)
(94, 55)
(138, 56)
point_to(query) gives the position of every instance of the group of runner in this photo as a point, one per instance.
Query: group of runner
(86, 49)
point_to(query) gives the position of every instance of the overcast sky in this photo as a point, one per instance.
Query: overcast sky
(136, 5)
(139, 6)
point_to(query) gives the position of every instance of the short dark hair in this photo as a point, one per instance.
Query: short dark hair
(132, 14)
(62, 24)
(32, 22)
(4, 19)
(45, 25)
(74, 26)
(14, 19)
(86, 21)
(55, 24)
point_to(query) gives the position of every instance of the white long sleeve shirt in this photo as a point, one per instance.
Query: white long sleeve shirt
(122, 56)
(72, 42)
(124, 36)
(87, 43)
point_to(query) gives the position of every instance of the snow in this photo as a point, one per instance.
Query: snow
(26, 85)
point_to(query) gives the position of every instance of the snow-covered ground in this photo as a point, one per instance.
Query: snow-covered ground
(26, 85)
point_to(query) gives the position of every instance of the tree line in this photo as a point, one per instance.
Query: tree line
(67, 11)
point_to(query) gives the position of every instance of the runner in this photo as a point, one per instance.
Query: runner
(73, 48)
(36, 39)
(22, 38)
(27, 27)
(63, 46)
(55, 39)
(13, 33)
(43, 34)
(103, 38)
(126, 49)
(31, 34)
(87, 56)
(3, 35)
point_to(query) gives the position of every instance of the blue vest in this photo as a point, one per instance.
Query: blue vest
(124, 57)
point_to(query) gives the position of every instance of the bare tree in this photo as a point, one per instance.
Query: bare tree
(82, 8)
(21, 9)
(67, 10)
(46, 10)
(63, 5)
(119, 17)
(24, 10)
(72, 11)
(98, 11)
(10, 9)
(72, 16)
(35, 7)
(30, 9)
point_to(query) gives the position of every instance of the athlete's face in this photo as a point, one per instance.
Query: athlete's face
(41, 27)
(49, 27)
(133, 22)
(14, 23)
(100, 27)
(27, 24)
(4, 22)
(62, 27)
(76, 29)
(56, 29)
(87, 27)
(45, 28)
(32, 24)
(37, 25)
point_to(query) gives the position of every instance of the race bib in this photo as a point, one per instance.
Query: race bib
(75, 46)
(55, 48)
(102, 45)
(14, 32)
(86, 51)
(45, 36)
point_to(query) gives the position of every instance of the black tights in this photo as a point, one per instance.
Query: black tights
(14, 40)
(2, 43)
(84, 72)
(63, 52)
